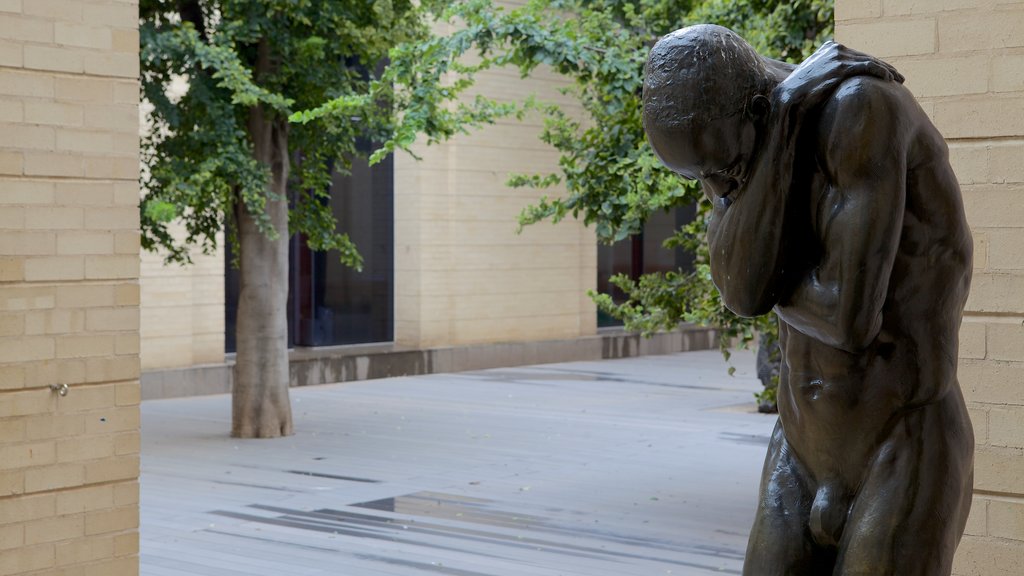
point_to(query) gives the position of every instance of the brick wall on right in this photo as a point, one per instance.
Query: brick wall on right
(964, 60)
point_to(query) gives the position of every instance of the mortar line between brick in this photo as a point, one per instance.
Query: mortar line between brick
(69, 488)
(993, 315)
(985, 139)
(997, 494)
(72, 387)
(65, 179)
(67, 74)
(44, 178)
(45, 283)
(84, 282)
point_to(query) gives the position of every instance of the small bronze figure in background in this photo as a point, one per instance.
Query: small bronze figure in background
(834, 205)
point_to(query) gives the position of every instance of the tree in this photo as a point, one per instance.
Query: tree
(612, 177)
(278, 93)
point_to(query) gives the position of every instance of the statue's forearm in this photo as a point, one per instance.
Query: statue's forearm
(746, 238)
(820, 308)
(812, 309)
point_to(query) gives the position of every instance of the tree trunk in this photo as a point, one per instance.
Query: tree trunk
(260, 404)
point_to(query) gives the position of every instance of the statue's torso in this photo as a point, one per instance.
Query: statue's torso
(838, 407)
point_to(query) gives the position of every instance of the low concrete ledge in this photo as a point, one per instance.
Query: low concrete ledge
(312, 366)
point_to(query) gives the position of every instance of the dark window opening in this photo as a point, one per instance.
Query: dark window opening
(333, 303)
(329, 303)
(642, 254)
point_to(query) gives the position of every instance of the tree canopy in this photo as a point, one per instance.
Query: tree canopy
(275, 95)
(223, 80)
(612, 179)
(198, 152)
(199, 159)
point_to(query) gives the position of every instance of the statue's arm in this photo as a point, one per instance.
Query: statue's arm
(748, 228)
(814, 80)
(831, 62)
(840, 300)
(746, 231)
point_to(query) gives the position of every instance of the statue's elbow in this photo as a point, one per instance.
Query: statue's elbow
(858, 334)
(850, 344)
(749, 290)
(747, 305)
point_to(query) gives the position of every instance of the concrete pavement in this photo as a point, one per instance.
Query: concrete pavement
(618, 467)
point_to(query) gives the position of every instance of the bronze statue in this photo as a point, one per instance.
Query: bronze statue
(834, 205)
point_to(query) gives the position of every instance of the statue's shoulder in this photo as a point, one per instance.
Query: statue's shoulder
(867, 117)
(861, 94)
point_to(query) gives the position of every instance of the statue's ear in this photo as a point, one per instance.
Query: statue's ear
(760, 106)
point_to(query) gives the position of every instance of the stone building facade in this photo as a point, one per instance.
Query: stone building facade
(469, 290)
(69, 292)
(464, 279)
(69, 265)
(462, 273)
(964, 60)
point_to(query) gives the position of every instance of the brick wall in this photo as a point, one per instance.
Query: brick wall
(964, 60)
(182, 321)
(69, 295)
(462, 273)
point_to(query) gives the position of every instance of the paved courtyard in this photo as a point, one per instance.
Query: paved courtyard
(619, 468)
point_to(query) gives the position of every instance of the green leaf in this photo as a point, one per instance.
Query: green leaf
(159, 211)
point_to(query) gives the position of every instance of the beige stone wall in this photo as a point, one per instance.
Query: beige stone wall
(182, 320)
(69, 294)
(964, 60)
(462, 273)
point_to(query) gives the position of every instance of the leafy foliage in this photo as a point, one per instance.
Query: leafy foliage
(198, 75)
(612, 177)
(327, 80)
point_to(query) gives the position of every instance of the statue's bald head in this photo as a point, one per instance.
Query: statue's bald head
(698, 74)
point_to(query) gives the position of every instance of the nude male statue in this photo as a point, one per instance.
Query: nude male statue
(833, 204)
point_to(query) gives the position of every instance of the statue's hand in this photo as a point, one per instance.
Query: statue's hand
(815, 78)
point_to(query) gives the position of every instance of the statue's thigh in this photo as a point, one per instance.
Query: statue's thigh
(779, 542)
(911, 510)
